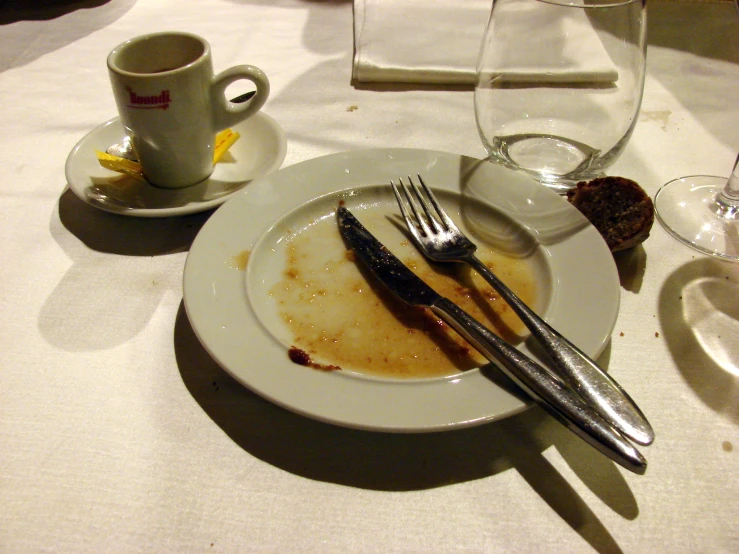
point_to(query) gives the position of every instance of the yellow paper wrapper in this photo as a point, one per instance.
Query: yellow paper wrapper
(224, 140)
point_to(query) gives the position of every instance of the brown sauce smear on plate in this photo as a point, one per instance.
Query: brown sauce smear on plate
(301, 357)
(340, 315)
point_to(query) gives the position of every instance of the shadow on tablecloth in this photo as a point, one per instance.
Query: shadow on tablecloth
(631, 265)
(699, 315)
(29, 30)
(406, 462)
(104, 300)
(702, 29)
(111, 233)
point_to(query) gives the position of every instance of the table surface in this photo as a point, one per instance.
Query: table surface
(119, 433)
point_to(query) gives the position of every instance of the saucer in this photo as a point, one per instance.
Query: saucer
(260, 150)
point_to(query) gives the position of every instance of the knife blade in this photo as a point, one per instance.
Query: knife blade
(548, 391)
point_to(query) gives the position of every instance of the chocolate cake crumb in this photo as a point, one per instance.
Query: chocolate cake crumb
(618, 207)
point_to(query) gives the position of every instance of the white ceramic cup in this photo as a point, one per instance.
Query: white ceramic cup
(172, 105)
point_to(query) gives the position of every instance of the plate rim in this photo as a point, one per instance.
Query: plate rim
(261, 188)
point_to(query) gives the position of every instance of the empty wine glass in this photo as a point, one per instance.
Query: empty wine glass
(559, 85)
(702, 211)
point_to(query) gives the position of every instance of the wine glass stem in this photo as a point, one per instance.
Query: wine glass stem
(727, 201)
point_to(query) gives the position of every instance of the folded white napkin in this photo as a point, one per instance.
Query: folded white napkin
(542, 42)
(437, 42)
(418, 41)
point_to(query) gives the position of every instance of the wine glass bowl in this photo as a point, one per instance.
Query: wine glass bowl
(559, 85)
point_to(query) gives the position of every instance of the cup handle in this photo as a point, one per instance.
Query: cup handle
(226, 113)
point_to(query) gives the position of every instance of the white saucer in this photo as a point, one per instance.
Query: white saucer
(260, 150)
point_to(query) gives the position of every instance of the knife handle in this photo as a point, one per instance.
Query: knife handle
(548, 391)
(595, 386)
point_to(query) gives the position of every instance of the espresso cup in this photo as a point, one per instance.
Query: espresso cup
(172, 105)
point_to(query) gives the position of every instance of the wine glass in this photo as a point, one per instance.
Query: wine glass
(559, 85)
(702, 211)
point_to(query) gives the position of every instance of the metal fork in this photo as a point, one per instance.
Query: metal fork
(436, 235)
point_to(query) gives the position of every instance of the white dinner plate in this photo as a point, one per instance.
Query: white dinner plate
(232, 315)
(260, 150)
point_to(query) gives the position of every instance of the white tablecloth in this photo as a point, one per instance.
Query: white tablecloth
(119, 433)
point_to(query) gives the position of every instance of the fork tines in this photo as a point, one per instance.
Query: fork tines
(434, 221)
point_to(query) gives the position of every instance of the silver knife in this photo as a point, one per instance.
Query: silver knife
(558, 400)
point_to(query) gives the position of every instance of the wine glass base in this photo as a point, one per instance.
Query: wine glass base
(688, 209)
(558, 163)
(560, 184)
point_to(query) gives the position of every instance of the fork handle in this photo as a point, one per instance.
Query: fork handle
(593, 384)
(548, 391)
